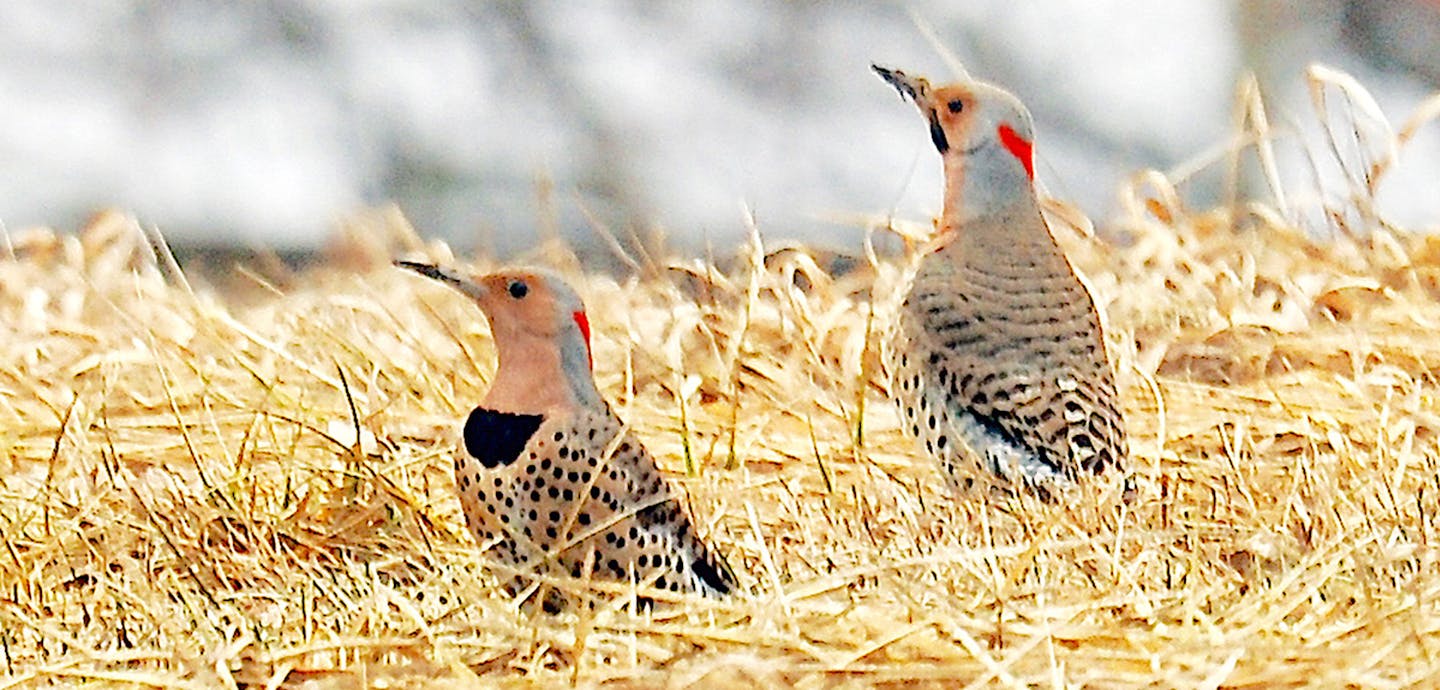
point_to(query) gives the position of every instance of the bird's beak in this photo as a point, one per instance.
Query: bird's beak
(449, 277)
(916, 89)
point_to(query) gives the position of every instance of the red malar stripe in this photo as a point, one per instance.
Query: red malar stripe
(584, 324)
(1020, 148)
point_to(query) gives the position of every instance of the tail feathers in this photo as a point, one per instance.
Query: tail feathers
(1007, 457)
(708, 573)
(713, 573)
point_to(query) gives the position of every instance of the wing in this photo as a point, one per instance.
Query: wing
(970, 369)
(625, 518)
(1014, 356)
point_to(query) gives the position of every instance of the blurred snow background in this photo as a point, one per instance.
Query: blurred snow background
(262, 123)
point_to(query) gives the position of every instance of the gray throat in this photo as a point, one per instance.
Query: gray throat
(575, 360)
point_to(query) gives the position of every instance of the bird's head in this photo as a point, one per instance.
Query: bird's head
(537, 320)
(983, 132)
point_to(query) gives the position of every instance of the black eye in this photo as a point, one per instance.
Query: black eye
(956, 105)
(518, 289)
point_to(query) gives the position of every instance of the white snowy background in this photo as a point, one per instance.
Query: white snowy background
(262, 123)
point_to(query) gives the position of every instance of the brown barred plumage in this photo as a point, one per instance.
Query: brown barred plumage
(997, 358)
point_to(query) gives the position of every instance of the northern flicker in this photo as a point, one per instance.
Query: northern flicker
(998, 361)
(549, 477)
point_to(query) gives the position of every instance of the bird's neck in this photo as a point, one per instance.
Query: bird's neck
(990, 207)
(533, 376)
(985, 181)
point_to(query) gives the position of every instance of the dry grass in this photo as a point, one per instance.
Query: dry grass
(185, 499)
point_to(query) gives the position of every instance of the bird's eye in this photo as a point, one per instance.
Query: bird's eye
(956, 105)
(518, 289)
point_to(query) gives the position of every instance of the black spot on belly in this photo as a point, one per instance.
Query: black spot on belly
(497, 438)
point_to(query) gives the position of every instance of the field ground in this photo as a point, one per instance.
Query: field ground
(185, 500)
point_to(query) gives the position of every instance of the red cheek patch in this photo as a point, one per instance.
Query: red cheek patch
(1019, 147)
(584, 325)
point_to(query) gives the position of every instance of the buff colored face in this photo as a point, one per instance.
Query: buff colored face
(952, 116)
(522, 303)
(518, 302)
(969, 117)
(966, 116)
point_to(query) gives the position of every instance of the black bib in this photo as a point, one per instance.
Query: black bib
(498, 438)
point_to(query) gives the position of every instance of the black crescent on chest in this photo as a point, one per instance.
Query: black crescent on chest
(497, 438)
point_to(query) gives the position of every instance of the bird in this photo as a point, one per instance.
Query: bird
(997, 357)
(549, 477)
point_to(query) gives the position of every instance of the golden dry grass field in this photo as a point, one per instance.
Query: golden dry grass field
(185, 500)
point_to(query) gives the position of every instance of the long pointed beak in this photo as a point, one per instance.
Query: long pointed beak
(913, 87)
(918, 89)
(447, 276)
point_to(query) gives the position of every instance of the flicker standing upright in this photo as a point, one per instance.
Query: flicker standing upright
(998, 362)
(549, 478)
